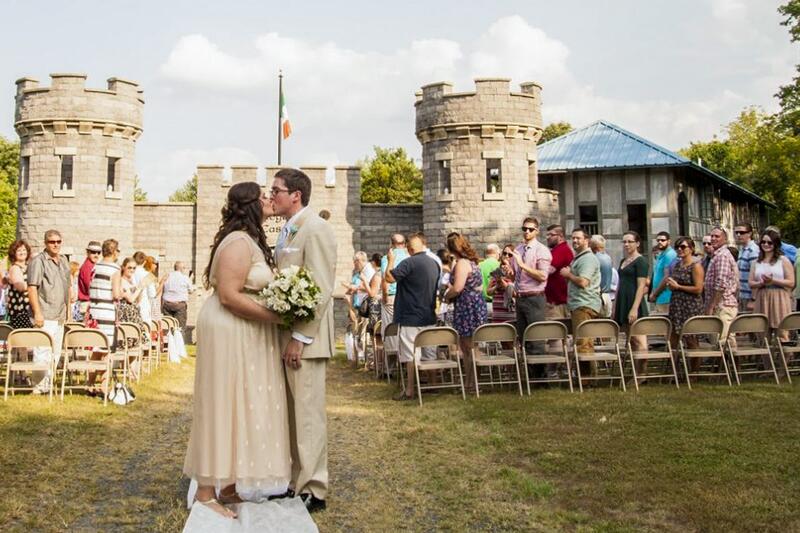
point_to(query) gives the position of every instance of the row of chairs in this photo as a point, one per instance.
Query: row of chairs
(495, 347)
(146, 346)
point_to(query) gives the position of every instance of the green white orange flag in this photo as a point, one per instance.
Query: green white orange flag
(286, 126)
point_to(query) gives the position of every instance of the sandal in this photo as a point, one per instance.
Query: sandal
(224, 511)
(229, 498)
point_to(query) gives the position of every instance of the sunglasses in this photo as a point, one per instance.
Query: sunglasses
(741, 232)
(683, 246)
(529, 230)
(53, 242)
(706, 243)
(508, 254)
(766, 242)
(662, 240)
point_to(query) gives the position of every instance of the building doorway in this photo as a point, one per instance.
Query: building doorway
(683, 215)
(637, 221)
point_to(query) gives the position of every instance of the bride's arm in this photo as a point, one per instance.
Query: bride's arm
(233, 265)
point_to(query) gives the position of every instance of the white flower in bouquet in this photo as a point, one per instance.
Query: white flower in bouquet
(293, 295)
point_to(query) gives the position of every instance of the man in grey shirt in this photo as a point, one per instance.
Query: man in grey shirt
(48, 291)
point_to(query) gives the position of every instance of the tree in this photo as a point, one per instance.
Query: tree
(9, 175)
(789, 95)
(555, 129)
(187, 192)
(139, 194)
(758, 154)
(390, 177)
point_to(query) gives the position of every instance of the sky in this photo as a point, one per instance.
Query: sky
(672, 71)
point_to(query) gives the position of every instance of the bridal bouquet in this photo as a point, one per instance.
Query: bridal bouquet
(293, 295)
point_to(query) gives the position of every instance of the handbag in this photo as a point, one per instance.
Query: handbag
(363, 307)
(121, 395)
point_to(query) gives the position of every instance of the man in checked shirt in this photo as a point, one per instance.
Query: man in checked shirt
(531, 265)
(722, 282)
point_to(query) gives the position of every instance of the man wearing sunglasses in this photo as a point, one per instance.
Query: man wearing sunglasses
(748, 254)
(666, 255)
(85, 275)
(531, 264)
(48, 292)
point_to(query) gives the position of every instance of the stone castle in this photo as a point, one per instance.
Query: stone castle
(77, 148)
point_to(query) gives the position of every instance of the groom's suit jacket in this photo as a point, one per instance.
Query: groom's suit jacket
(311, 243)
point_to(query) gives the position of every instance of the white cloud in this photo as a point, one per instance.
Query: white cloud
(342, 100)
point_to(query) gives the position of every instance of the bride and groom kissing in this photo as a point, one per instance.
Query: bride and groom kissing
(259, 425)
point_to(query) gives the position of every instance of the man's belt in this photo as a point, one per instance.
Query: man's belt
(525, 294)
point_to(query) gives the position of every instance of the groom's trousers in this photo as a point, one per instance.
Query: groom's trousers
(308, 427)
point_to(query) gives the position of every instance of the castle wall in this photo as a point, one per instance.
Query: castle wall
(462, 136)
(379, 221)
(64, 122)
(166, 232)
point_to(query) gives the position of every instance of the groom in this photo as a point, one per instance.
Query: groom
(306, 240)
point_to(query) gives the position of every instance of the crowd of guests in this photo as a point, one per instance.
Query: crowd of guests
(46, 291)
(533, 281)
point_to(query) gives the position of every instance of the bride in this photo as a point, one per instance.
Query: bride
(239, 443)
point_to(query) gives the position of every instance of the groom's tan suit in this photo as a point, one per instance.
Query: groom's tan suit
(310, 242)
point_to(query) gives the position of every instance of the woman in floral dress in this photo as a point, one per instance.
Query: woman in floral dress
(466, 290)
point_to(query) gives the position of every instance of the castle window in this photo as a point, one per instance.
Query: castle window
(494, 178)
(25, 173)
(66, 173)
(445, 186)
(111, 176)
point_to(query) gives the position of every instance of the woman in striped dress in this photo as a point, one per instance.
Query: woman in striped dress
(104, 292)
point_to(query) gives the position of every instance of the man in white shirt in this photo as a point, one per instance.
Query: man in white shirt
(175, 298)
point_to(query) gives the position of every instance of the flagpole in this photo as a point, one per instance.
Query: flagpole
(280, 111)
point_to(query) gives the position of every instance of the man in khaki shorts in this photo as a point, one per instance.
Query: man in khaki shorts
(417, 279)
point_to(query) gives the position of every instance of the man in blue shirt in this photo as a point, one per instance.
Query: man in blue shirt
(666, 255)
(748, 255)
(389, 290)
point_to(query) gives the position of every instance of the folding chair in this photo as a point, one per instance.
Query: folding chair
(435, 337)
(156, 340)
(5, 330)
(495, 356)
(652, 326)
(25, 339)
(131, 350)
(81, 343)
(790, 323)
(147, 347)
(757, 326)
(542, 332)
(703, 325)
(598, 328)
(391, 333)
(377, 349)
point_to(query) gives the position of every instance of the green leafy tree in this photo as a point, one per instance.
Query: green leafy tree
(9, 175)
(187, 192)
(789, 95)
(390, 177)
(139, 194)
(555, 129)
(757, 153)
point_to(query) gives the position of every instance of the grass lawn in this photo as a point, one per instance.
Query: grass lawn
(714, 459)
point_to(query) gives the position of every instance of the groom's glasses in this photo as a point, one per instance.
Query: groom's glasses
(275, 191)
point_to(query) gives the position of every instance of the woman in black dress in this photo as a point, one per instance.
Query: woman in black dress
(19, 307)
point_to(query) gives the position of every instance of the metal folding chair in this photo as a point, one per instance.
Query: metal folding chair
(542, 332)
(25, 339)
(703, 325)
(757, 327)
(436, 337)
(789, 350)
(652, 326)
(493, 336)
(599, 328)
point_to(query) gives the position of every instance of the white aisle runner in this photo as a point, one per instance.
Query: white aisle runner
(277, 516)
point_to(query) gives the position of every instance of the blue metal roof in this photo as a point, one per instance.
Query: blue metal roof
(602, 145)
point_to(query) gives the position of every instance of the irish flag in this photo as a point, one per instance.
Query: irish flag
(286, 126)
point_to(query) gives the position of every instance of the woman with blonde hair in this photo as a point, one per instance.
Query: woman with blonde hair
(466, 291)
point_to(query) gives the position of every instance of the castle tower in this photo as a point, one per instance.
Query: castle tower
(77, 148)
(479, 161)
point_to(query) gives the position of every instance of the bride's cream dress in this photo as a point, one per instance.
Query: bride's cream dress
(240, 431)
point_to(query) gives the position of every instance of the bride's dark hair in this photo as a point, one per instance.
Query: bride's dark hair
(242, 212)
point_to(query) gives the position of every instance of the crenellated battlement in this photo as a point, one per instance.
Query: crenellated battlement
(488, 110)
(321, 175)
(67, 106)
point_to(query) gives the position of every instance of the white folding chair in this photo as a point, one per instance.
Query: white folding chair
(26, 339)
(703, 325)
(390, 333)
(435, 337)
(80, 344)
(542, 333)
(493, 355)
(599, 328)
(755, 326)
(789, 350)
(653, 326)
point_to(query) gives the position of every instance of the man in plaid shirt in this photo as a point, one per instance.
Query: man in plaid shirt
(722, 282)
